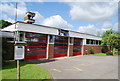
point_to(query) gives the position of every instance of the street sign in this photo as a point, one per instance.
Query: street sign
(19, 52)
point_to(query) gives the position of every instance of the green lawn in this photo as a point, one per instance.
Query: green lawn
(28, 71)
(98, 54)
(101, 54)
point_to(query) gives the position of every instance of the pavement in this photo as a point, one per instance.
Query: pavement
(81, 67)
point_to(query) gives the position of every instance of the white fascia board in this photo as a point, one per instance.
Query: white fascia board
(10, 28)
(75, 34)
(81, 35)
(93, 37)
(37, 29)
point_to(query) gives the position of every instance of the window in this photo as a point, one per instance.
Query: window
(93, 42)
(63, 32)
(88, 41)
(21, 36)
(97, 42)
(100, 42)
(51, 39)
(70, 40)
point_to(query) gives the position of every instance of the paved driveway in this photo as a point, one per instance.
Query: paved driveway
(82, 67)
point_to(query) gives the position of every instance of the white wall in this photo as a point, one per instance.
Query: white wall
(37, 29)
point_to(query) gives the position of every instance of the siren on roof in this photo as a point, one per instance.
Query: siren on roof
(28, 18)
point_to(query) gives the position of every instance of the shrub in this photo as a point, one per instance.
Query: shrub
(104, 49)
(109, 53)
(118, 53)
(91, 51)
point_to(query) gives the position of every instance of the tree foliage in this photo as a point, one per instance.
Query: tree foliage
(114, 40)
(105, 37)
(4, 24)
(111, 38)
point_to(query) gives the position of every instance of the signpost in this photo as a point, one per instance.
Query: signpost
(19, 55)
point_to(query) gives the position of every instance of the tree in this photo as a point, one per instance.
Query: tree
(106, 36)
(4, 24)
(114, 40)
(111, 38)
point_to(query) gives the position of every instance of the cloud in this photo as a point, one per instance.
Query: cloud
(107, 26)
(56, 21)
(10, 9)
(88, 0)
(90, 29)
(95, 30)
(38, 17)
(22, 1)
(115, 27)
(5, 17)
(92, 11)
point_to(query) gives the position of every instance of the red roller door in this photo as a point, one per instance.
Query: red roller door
(36, 46)
(60, 46)
(77, 46)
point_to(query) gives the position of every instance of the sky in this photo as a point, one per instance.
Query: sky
(86, 16)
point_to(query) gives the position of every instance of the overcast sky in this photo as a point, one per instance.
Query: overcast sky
(87, 16)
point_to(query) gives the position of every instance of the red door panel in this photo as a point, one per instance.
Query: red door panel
(36, 46)
(77, 46)
(60, 46)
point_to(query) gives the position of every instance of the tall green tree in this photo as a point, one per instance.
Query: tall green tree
(4, 24)
(111, 38)
(105, 37)
(114, 40)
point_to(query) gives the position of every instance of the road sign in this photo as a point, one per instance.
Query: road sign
(19, 52)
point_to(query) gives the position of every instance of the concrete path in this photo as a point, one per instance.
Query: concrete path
(82, 67)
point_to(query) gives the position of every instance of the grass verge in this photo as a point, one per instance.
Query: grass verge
(98, 54)
(102, 54)
(27, 71)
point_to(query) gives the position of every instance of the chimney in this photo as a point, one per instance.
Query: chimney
(28, 18)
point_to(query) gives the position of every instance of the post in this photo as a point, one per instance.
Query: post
(18, 70)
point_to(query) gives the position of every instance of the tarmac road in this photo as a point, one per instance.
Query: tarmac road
(82, 67)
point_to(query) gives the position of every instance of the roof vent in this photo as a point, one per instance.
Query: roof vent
(28, 18)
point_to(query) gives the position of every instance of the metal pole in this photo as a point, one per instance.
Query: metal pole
(18, 70)
(16, 39)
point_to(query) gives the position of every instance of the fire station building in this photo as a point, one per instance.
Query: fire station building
(50, 42)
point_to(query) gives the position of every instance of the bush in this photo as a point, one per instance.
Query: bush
(91, 51)
(118, 53)
(104, 49)
(109, 53)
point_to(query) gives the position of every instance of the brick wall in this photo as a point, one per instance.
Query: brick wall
(97, 49)
(70, 50)
(50, 51)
